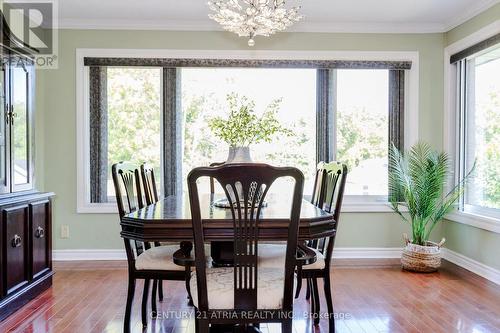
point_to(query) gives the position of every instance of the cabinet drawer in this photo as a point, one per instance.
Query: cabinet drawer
(16, 247)
(40, 235)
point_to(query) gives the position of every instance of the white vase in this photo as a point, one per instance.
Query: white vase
(239, 155)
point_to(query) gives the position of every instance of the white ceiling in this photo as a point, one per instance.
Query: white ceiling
(321, 15)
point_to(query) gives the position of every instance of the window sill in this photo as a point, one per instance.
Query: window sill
(475, 220)
(97, 208)
(366, 207)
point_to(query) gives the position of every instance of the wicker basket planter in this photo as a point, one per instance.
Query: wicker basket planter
(418, 258)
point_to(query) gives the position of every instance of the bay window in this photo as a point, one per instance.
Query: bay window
(156, 110)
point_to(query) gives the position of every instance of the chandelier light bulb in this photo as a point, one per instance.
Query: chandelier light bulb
(251, 42)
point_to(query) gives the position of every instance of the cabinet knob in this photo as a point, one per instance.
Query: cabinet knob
(39, 232)
(16, 241)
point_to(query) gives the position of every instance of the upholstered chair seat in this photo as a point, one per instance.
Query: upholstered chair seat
(158, 258)
(161, 258)
(318, 264)
(273, 256)
(220, 288)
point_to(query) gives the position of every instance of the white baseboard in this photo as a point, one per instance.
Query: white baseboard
(472, 265)
(118, 254)
(75, 255)
(367, 252)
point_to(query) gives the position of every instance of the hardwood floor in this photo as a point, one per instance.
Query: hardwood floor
(369, 296)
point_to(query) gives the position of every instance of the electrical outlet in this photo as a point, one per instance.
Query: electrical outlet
(64, 231)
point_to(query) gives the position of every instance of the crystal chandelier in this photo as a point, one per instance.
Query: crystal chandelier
(250, 18)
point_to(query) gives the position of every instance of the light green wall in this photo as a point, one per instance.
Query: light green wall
(475, 243)
(91, 231)
(373, 230)
(473, 25)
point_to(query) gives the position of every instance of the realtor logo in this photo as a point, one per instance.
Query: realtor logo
(34, 25)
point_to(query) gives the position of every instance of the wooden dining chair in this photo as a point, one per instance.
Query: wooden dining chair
(330, 199)
(151, 196)
(144, 262)
(225, 295)
(271, 253)
(317, 198)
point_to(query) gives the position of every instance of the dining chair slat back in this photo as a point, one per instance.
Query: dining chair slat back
(317, 196)
(332, 192)
(212, 180)
(126, 181)
(245, 186)
(128, 191)
(149, 182)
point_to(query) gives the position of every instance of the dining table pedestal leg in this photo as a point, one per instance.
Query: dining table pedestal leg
(222, 254)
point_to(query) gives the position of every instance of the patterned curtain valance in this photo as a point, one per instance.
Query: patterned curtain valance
(252, 63)
(485, 44)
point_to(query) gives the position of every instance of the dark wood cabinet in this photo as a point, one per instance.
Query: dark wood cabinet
(25, 214)
(40, 230)
(25, 248)
(16, 240)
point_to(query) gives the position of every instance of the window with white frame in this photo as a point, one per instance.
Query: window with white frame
(362, 130)
(478, 123)
(204, 92)
(125, 123)
(144, 110)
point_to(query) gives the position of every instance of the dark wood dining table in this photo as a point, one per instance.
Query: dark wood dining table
(169, 219)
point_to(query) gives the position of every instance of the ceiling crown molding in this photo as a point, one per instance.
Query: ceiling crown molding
(116, 24)
(185, 25)
(305, 26)
(478, 8)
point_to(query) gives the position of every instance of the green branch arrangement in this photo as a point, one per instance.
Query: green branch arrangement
(417, 180)
(243, 127)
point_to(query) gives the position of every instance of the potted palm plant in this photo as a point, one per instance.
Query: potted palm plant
(244, 127)
(417, 182)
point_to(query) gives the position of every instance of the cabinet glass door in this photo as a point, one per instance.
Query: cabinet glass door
(19, 128)
(4, 175)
